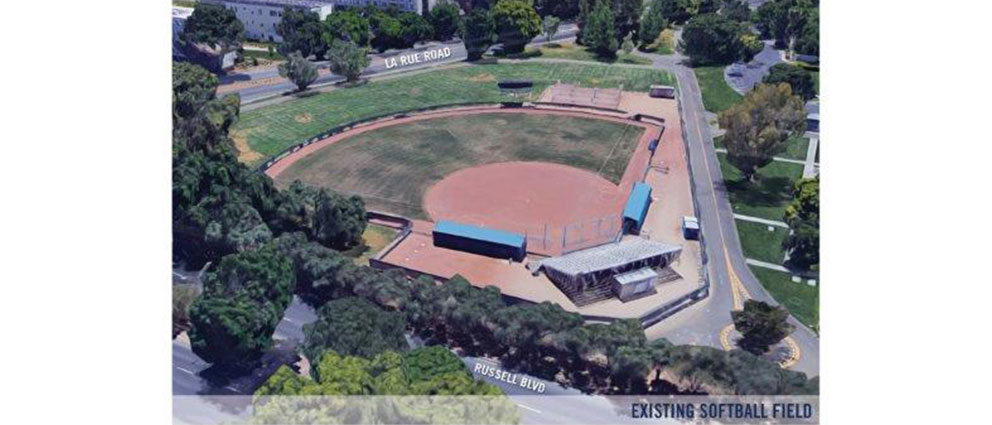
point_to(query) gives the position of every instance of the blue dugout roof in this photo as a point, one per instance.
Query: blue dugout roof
(480, 233)
(637, 203)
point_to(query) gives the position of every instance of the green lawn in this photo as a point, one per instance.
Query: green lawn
(796, 147)
(574, 52)
(392, 167)
(374, 239)
(768, 196)
(802, 300)
(269, 130)
(759, 243)
(717, 95)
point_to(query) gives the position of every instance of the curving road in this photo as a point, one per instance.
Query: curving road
(731, 279)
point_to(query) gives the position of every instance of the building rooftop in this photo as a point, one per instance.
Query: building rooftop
(608, 256)
(480, 233)
(636, 276)
(637, 203)
(297, 3)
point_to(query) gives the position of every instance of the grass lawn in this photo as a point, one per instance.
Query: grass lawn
(802, 300)
(717, 95)
(768, 196)
(374, 239)
(392, 167)
(796, 147)
(574, 52)
(760, 244)
(269, 130)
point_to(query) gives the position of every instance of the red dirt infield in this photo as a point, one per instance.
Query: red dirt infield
(537, 199)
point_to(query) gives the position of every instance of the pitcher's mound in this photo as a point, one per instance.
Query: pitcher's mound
(538, 199)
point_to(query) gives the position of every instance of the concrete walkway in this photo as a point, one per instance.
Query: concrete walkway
(776, 158)
(763, 264)
(775, 223)
(810, 168)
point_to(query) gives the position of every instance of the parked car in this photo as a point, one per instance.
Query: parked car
(690, 227)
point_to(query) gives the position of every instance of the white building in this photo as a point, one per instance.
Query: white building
(260, 17)
(419, 6)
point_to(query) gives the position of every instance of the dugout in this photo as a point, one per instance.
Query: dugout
(637, 207)
(479, 240)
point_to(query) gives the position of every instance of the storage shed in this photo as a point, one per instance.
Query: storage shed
(479, 240)
(637, 207)
(635, 284)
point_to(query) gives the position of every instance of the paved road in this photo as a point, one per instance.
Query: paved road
(378, 66)
(742, 77)
(703, 322)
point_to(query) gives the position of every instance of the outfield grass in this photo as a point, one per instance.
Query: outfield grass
(717, 95)
(392, 167)
(269, 130)
(374, 239)
(796, 147)
(802, 300)
(768, 196)
(574, 52)
(759, 243)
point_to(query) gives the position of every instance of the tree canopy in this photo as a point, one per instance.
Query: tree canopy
(599, 32)
(762, 325)
(347, 25)
(214, 25)
(799, 79)
(652, 22)
(711, 39)
(787, 21)
(803, 218)
(348, 59)
(478, 33)
(301, 31)
(298, 70)
(446, 20)
(757, 128)
(354, 326)
(516, 24)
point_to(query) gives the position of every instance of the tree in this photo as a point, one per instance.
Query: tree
(676, 11)
(230, 332)
(758, 127)
(264, 276)
(761, 325)
(347, 59)
(549, 26)
(415, 28)
(446, 20)
(338, 221)
(478, 33)
(799, 79)
(354, 327)
(516, 24)
(347, 25)
(302, 32)
(192, 88)
(628, 43)
(785, 20)
(387, 31)
(652, 22)
(737, 10)
(803, 218)
(714, 39)
(299, 70)
(599, 33)
(214, 25)
(183, 296)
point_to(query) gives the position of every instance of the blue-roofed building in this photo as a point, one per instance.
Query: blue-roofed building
(637, 207)
(479, 240)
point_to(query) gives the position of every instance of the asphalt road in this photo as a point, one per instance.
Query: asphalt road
(702, 322)
(378, 66)
(742, 77)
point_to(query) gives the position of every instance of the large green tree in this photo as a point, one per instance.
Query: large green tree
(549, 26)
(347, 25)
(652, 22)
(786, 20)
(446, 19)
(214, 25)
(298, 70)
(711, 39)
(799, 79)
(347, 59)
(599, 33)
(339, 221)
(478, 33)
(231, 332)
(516, 24)
(761, 325)
(757, 128)
(803, 217)
(192, 88)
(354, 327)
(301, 31)
(264, 275)
(676, 11)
